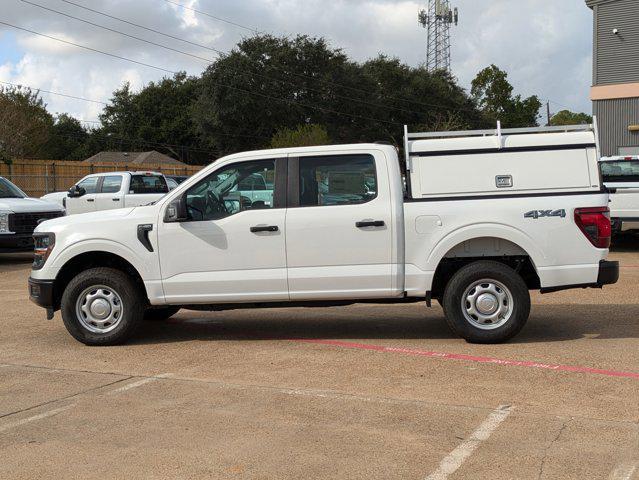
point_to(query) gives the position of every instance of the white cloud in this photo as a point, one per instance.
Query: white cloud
(545, 45)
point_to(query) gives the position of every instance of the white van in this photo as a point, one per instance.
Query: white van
(621, 176)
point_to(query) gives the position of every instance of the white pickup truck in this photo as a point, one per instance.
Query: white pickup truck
(621, 176)
(107, 191)
(486, 217)
(19, 216)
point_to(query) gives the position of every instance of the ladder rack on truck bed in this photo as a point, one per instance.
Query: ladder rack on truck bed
(501, 161)
(500, 131)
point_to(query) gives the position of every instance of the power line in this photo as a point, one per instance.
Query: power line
(142, 26)
(250, 92)
(111, 137)
(560, 104)
(208, 60)
(219, 19)
(40, 90)
(166, 70)
(222, 53)
(54, 93)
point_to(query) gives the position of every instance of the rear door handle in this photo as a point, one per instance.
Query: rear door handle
(268, 228)
(370, 223)
(90, 200)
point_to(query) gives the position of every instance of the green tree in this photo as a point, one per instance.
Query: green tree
(67, 140)
(24, 123)
(159, 117)
(302, 136)
(566, 117)
(269, 83)
(494, 96)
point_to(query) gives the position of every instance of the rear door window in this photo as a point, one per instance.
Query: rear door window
(111, 184)
(148, 184)
(337, 180)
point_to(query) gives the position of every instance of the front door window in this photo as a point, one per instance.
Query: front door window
(233, 189)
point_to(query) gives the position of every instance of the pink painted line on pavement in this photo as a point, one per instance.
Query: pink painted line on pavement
(472, 358)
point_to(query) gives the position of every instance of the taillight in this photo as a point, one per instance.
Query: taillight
(594, 222)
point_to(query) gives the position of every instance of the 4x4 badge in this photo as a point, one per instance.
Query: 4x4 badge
(545, 214)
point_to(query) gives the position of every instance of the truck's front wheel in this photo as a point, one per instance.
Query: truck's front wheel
(486, 302)
(102, 306)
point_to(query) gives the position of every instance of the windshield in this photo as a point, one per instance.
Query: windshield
(620, 171)
(9, 190)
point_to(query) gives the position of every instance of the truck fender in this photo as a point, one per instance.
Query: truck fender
(103, 245)
(491, 230)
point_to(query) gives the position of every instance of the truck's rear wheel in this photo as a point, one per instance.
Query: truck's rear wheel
(102, 306)
(486, 302)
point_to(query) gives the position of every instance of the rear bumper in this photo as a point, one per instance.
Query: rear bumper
(41, 293)
(624, 224)
(16, 243)
(608, 274)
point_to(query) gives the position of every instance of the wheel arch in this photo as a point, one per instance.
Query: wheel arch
(485, 230)
(484, 242)
(92, 259)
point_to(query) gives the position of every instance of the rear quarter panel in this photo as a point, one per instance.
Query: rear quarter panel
(560, 252)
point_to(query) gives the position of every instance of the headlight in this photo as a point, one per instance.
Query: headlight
(43, 245)
(4, 222)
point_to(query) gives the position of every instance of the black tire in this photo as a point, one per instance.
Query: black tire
(131, 299)
(160, 314)
(494, 331)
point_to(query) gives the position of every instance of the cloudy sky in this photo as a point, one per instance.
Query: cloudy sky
(544, 45)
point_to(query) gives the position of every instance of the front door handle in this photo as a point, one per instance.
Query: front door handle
(115, 199)
(268, 228)
(90, 200)
(370, 223)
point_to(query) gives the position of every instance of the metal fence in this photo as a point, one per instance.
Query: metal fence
(39, 177)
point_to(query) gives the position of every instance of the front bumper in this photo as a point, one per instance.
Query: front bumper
(16, 243)
(41, 293)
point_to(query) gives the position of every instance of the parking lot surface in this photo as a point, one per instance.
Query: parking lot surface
(367, 391)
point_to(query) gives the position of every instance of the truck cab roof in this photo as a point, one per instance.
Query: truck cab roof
(101, 174)
(320, 150)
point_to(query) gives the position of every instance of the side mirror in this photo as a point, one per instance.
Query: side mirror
(76, 191)
(176, 211)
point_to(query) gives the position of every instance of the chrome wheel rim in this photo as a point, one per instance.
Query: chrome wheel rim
(487, 304)
(99, 309)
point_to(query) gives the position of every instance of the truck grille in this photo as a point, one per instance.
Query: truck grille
(25, 223)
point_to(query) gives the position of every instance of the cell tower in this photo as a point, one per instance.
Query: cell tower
(437, 19)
